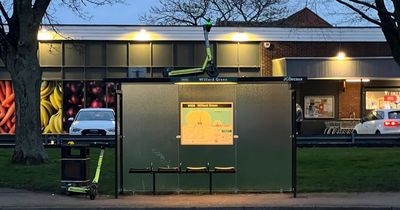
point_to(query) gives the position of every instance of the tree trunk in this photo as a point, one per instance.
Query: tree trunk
(26, 77)
(393, 39)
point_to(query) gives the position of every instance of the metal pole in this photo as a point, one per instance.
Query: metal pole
(116, 145)
(120, 139)
(294, 144)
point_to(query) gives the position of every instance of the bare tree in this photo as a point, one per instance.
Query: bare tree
(19, 24)
(190, 12)
(177, 12)
(385, 14)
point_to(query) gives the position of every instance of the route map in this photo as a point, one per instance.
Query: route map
(206, 123)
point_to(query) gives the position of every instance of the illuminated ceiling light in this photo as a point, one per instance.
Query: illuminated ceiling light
(240, 37)
(142, 36)
(206, 83)
(43, 34)
(341, 55)
(357, 80)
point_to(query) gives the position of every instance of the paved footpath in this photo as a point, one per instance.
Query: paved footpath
(21, 199)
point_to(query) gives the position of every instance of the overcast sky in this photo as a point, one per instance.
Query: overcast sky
(129, 13)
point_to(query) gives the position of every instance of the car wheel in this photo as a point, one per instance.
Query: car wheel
(377, 132)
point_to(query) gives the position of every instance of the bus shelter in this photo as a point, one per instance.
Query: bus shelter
(178, 135)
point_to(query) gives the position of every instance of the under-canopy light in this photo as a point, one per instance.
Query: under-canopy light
(43, 35)
(357, 80)
(341, 55)
(142, 35)
(240, 37)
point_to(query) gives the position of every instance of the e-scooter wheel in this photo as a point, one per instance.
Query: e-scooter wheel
(165, 72)
(92, 191)
(212, 71)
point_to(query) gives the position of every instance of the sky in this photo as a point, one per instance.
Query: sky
(129, 13)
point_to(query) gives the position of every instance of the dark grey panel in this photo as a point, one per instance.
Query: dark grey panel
(151, 120)
(50, 54)
(200, 53)
(332, 68)
(95, 73)
(184, 54)
(227, 72)
(264, 146)
(95, 54)
(382, 83)
(162, 55)
(249, 72)
(379, 68)
(73, 73)
(139, 54)
(227, 55)
(52, 73)
(117, 72)
(74, 54)
(117, 54)
(4, 75)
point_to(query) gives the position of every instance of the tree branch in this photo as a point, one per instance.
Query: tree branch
(4, 13)
(39, 10)
(362, 14)
(396, 5)
(364, 3)
(2, 30)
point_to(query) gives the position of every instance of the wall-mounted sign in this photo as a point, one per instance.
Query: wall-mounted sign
(390, 98)
(319, 107)
(206, 123)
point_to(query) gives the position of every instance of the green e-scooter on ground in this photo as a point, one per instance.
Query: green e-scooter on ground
(208, 65)
(91, 189)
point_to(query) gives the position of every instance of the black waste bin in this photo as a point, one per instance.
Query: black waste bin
(75, 162)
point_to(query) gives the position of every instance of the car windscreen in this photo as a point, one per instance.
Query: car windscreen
(95, 115)
(394, 115)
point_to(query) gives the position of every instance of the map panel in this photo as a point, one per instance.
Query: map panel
(207, 123)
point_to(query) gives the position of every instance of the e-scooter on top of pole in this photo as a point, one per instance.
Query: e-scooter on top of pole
(208, 65)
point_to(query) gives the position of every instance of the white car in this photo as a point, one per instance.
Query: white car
(93, 121)
(381, 121)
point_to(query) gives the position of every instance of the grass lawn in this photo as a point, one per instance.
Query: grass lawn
(319, 170)
(348, 169)
(46, 177)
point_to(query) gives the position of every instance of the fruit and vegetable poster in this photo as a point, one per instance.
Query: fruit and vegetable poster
(88, 94)
(58, 102)
(7, 108)
(206, 123)
(51, 98)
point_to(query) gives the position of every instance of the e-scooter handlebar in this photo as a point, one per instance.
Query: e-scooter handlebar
(208, 25)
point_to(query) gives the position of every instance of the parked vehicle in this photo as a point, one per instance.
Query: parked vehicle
(93, 121)
(381, 121)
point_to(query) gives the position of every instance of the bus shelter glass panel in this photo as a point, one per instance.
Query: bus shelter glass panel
(246, 126)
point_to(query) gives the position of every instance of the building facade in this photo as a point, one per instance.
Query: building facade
(79, 57)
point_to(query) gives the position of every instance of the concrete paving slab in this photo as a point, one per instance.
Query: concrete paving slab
(22, 199)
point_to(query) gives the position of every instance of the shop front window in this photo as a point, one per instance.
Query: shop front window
(382, 100)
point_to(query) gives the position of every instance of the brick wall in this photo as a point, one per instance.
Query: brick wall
(319, 49)
(350, 100)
